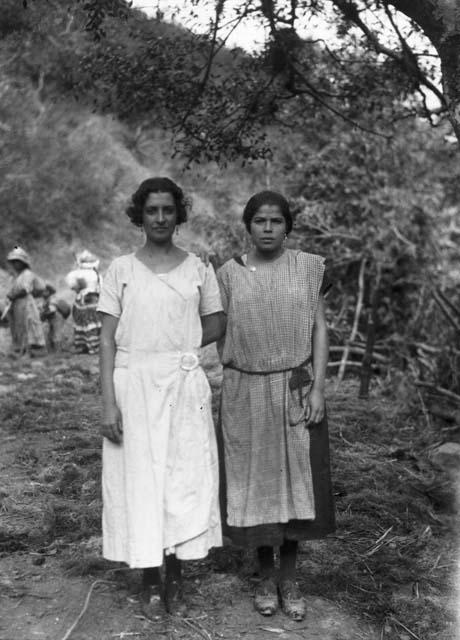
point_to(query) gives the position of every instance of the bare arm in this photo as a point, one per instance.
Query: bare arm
(213, 326)
(111, 418)
(320, 347)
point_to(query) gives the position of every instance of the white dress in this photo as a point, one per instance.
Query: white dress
(160, 486)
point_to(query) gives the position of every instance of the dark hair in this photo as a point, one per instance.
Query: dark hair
(267, 197)
(156, 185)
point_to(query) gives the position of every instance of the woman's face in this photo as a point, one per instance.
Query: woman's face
(268, 228)
(159, 217)
(17, 266)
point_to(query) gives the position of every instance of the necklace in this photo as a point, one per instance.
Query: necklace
(253, 268)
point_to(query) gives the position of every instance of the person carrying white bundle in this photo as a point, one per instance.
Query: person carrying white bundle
(86, 281)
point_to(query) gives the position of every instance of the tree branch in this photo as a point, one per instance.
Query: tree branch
(406, 59)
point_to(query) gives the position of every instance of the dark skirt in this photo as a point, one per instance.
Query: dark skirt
(273, 534)
(87, 327)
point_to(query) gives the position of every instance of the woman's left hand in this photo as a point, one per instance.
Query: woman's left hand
(316, 407)
(205, 256)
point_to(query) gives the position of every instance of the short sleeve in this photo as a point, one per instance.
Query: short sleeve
(110, 296)
(38, 285)
(210, 301)
(221, 280)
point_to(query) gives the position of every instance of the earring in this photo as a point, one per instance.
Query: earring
(177, 230)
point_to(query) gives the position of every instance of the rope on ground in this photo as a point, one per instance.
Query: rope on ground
(71, 629)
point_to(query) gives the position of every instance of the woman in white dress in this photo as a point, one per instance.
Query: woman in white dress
(159, 305)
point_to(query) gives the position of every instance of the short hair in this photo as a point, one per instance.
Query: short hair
(267, 197)
(135, 209)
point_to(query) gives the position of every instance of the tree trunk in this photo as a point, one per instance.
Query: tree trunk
(449, 53)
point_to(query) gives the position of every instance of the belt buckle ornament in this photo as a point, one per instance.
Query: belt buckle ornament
(189, 361)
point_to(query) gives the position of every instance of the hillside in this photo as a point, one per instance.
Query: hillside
(68, 171)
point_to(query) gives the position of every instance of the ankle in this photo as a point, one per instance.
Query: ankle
(151, 576)
(287, 576)
(266, 560)
(173, 569)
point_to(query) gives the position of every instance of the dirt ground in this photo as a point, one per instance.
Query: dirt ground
(388, 572)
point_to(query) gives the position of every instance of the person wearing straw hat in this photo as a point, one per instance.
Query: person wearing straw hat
(86, 282)
(22, 311)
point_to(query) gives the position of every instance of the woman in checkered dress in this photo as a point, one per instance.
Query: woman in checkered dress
(274, 439)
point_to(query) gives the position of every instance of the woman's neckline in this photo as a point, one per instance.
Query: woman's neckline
(267, 263)
(161, 273)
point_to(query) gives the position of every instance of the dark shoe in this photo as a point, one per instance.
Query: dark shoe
(266, 597)
(292, 601)
(174, 598)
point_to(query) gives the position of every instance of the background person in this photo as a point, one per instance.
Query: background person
(54, 311)
(86, 282)
(274, 432)
(159, 305)
(22, 311)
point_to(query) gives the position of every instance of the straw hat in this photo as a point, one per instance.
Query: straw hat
(19, 254)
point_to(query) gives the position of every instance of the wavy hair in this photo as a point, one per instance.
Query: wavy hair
(267, 197)
(135, 209)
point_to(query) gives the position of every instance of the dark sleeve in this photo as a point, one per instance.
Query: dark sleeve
(327, 282)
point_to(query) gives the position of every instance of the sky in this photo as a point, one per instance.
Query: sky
(249, 35)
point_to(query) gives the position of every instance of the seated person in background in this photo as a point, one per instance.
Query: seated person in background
(55, 312)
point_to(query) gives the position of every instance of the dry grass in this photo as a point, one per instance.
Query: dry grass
(393, 557)
(391, 560)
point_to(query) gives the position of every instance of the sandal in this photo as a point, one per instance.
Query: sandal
(292, 601)
(266, 597)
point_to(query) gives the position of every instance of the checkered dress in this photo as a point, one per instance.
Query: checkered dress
(269, 472)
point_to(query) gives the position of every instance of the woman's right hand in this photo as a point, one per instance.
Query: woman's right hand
(112, 427)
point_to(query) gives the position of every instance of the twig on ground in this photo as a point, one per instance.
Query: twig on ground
(441, 302)
(424, 409)
(440, 390)
(435, 564)
(378, 543)
(197, 627)
(393, 619)
(71, 629)
(370, 572)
